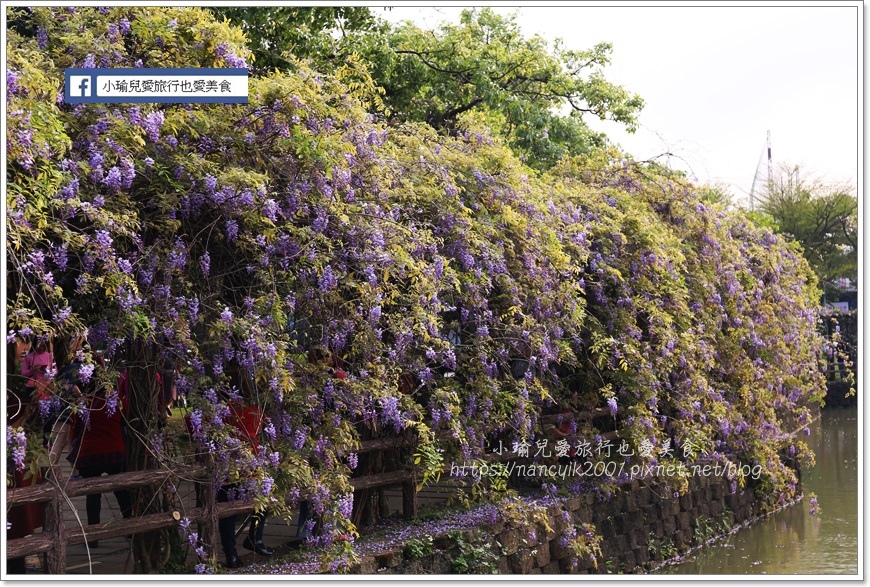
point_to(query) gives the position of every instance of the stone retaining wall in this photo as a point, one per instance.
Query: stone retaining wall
(639, 530)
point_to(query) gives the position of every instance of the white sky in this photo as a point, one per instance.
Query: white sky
(716, 79)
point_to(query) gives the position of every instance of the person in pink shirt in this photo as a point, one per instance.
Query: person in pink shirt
(35, 366)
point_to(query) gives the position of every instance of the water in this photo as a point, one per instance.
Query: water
(792, 541)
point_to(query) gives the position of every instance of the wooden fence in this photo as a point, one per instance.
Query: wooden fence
(55, 537)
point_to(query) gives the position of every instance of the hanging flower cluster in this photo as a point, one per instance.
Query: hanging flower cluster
(463, 294)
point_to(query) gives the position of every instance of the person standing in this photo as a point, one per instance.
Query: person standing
(101, 449)
(35, 367)
(21, 520)
(246, 419)
(72, 384)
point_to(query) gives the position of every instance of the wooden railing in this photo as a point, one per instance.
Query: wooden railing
(55, 537)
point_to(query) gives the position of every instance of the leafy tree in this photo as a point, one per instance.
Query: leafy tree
(716, 193)
(521, 86)
(278, 35)
(822, 218)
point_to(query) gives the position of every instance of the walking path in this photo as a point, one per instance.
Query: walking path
(114, 556)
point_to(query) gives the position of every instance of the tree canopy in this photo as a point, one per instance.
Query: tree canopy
(243, 237)
(823, 218)
(277, 36)
(533, 95)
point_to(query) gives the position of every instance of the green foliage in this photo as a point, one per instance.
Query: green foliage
(822, 218)
(416, 548)
(429, 459)
(716, 193)
(585, 543)
(484, 64)
(473, 556)
(494, 486)
(519, 513)
(428, 265)
(662, 550)
(277, 36)
(533, 95)
(704, 529)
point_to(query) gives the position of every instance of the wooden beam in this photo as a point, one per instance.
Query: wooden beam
(380, 480)
(34, 544)
(367, 446)
(106, 484)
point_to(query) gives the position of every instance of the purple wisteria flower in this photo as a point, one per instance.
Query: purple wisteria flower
(611, 404)
(328, 280)
(205, 263)
(270, 210)
(86, 372)
(113, 179)
(17, 441)
(153, 122)
(227, 315)
(232, 228)
(345, 505)
(12, 86)
(299, 438)
(196, 424)
(96, 159)
(112, 403)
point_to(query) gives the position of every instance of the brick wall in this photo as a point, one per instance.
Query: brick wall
(640, 528)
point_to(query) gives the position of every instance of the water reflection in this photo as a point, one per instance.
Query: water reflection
(793, 542)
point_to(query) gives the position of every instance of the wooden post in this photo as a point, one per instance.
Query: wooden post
(409, 497)
(210, 516)
(55, 527)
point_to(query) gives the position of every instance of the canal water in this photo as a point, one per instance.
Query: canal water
(793, 541)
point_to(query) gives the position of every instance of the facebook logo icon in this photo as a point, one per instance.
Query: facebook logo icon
(80, 86)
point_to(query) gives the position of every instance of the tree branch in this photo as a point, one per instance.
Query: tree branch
(429, 64)
(437, 121)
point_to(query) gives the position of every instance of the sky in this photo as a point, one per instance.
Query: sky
(715, 80)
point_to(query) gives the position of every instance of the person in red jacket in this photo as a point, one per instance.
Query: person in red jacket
(247, 420)
(101, 449)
